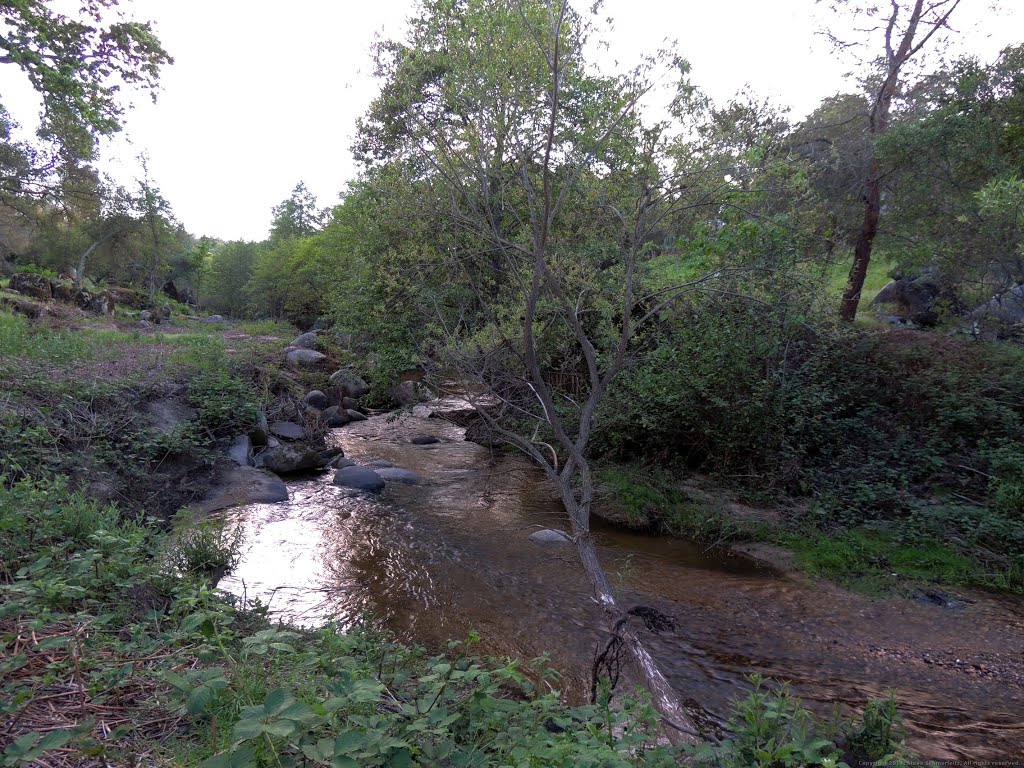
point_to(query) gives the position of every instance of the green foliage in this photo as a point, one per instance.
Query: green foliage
(203, 549)
(35, 269)
(771, 729)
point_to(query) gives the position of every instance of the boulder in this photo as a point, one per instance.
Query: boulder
(317, 399)
(245, 485)
(215, 319)
(1005, 309)
(31, 284)
(399, 475)
(911, 298)
(322, 324)
(424, 440)
(292, 457)
(350, 404)
(259, 434)
(241, 451)
(289, 430)
(355, 415)
(550, 536)
(380, 463)
(359, 478)
(127, 297)
(102, 303)
(305, 341)
(339, 462)
(408, 393)
(304, 357)
(349, 383)
(335, 416)
(65, 292)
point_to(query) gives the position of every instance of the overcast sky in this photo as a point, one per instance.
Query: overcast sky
(263, 94)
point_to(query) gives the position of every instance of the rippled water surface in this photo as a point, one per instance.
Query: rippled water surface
(435, 560)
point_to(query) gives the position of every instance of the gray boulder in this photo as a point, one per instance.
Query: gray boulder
(399, 475)
(215, 319)
(292, 457)
(339, 462)
(911, 298)
(404, 394)
(350, 404)
(289, 430)
(335, 416)
(550, 536)
(355, 415)
(322, 324)
(1007, 308)
(305, 341)
(379, 463)
(317, 399)
(359, 478)
(241, 451)
(245, 485)
(349, 383)
(304, 357)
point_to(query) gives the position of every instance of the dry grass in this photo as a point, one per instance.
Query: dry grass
(57, 679)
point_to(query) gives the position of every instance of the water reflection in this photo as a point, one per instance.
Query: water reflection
(433, 561)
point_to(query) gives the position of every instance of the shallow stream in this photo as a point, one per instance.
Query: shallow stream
(433, 561)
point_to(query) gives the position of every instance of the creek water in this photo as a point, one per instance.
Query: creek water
(433, 561)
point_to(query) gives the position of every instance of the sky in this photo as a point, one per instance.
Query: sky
(263, 95)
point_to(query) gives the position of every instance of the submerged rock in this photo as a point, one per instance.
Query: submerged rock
(359, 478)
(550, 536)
(399, 475)
(424, 440)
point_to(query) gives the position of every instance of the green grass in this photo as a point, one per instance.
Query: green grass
(878, 276)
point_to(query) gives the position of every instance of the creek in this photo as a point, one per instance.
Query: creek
(432, 562)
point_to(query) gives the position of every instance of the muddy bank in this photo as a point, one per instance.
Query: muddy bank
(434, 561)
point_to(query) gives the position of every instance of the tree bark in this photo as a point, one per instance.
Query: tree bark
(865, 240)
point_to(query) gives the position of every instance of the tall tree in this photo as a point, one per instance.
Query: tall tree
(298, 216)
(901, 29)
(541, 188)
(78, 66)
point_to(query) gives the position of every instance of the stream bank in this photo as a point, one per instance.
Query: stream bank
(451, 555)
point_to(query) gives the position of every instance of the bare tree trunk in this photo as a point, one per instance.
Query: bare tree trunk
(865, 240)
(81, 263)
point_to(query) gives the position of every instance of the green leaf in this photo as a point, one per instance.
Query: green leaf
(276, 701)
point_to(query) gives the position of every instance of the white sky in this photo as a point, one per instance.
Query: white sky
(263, 94)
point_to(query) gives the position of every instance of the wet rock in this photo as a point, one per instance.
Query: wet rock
(305, 357)
(241, 451)
(359, 478)
(245, 485)
(349, 383)
(335, 416)
(550, 536)
(399, 475)
(292, 457)
(317, 399)
(305, 341)
(339, 462)
(405, 394)
(355, 415)
(381, 463)
(289, 430)
(424, 440)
